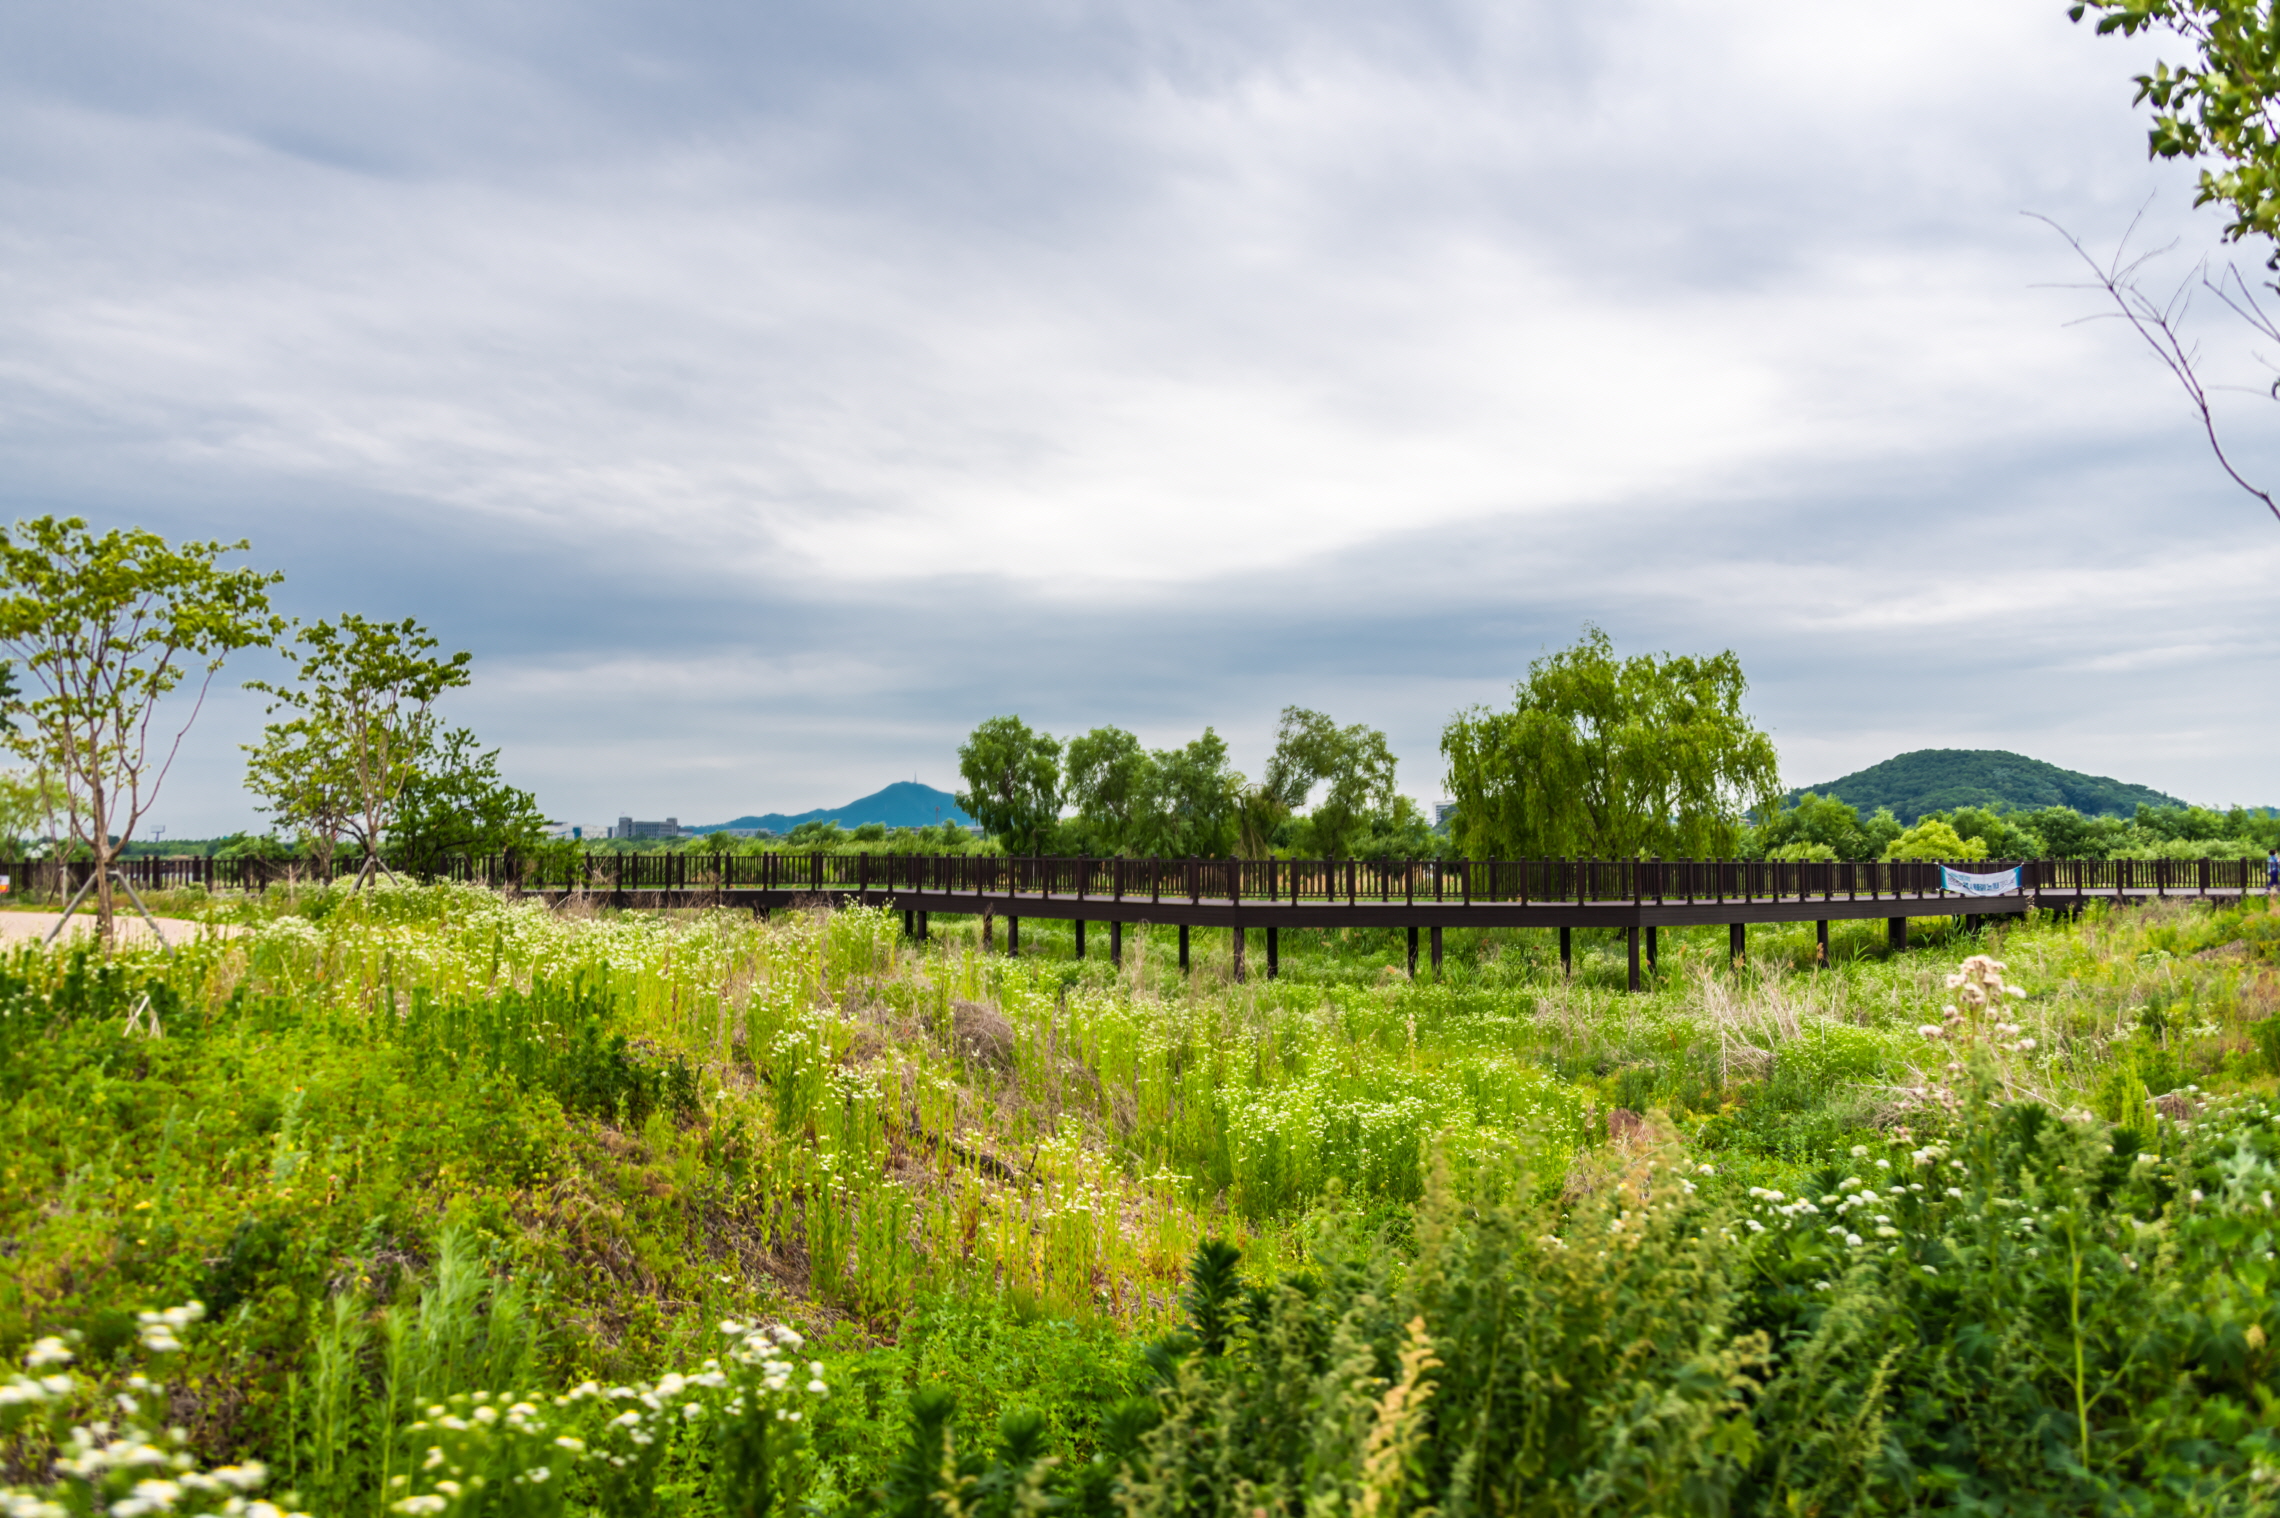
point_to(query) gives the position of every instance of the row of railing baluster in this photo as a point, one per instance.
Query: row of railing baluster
(1530, 881)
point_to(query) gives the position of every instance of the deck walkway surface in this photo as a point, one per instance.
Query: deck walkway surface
(1639, 917)
(1638, 897)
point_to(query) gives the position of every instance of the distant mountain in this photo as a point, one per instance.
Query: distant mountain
(1942, 779)
(905, 804)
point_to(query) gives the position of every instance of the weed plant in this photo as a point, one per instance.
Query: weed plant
(425, 1143)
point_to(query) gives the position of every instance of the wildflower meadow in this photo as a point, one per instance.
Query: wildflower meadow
(422, 1199)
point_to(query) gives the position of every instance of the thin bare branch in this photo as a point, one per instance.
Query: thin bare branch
(2160, 324)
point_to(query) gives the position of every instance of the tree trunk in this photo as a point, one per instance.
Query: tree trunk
(106, 906)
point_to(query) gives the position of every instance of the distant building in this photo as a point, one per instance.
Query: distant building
(628, 828)
(1442, 811)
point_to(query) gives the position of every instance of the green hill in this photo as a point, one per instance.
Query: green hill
(1942, 779)
(904, 804)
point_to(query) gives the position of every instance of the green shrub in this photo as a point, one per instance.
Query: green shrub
(1935, 838)
(2027, 1315)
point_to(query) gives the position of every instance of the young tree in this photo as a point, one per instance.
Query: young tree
(1935, 838)
(456, 802)
(29, 807)
(365, 724)
(104, 627)
(1357, 763)
(1013, 783)
(304, 782)
(1611, 758)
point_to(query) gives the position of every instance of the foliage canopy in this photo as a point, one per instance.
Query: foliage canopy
(2216, 105)
(457, 802)
(1013, 782)
(1354, 765)
(1112, 784)
(1939, 779)
(365, 728)
(105, 626)
(1611, 758)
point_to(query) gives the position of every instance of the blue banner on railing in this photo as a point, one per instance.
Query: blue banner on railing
(2002, 883)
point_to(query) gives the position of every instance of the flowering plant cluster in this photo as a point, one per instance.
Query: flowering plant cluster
(507, 1457)
(129, 1467)
(496, 1455)
(1978, 1030)
(1849, 1213)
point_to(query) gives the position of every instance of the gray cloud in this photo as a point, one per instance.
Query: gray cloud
(766, 394)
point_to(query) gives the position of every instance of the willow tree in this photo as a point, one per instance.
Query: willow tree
(1354, 766)
(1174, 801)
(1013, 783)
(1111, 781)
(1194, 811)
(1608, 758)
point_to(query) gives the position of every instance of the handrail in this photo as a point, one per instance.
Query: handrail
(1289, 882)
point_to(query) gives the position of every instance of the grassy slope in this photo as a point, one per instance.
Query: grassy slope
(956, 1167)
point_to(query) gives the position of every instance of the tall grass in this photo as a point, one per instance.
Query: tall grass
(389, 1137)
(1098, 1124)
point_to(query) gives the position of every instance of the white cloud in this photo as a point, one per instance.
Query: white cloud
(1094, 322)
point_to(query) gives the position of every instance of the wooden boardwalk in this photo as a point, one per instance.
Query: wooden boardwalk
(1425, 897)
(1242, 896)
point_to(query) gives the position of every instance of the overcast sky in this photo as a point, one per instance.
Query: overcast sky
(766, 394)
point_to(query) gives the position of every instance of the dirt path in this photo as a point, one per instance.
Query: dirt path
(15, 927)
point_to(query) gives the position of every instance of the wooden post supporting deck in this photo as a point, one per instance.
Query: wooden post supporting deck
(1738, 943)
(1631, 937)
(1413, 953)
(1235, 945)
(1183, 948)
(1436, 932)
(1116, 944)
(1896, 933)
(1563, 894)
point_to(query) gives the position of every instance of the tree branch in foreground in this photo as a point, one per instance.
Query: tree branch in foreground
(2161, 322)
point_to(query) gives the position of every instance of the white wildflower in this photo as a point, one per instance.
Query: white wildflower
(50, 1351)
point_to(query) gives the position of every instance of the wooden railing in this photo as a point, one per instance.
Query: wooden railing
(1546, 881)
(1523, 881)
